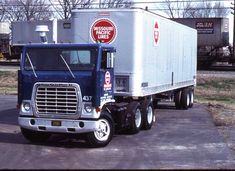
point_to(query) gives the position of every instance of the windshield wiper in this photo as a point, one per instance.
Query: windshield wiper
(67, 66)
(31, 64)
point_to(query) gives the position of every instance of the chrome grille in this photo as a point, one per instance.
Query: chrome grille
(56, 100)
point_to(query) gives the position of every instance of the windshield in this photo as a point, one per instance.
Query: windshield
(60, 59)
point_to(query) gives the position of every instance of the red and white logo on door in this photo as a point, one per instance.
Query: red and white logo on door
(156, 33)
(103, 31)
(107, 81)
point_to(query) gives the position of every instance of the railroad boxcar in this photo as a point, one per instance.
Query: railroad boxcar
(213, 39)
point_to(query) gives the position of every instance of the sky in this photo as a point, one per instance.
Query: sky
(227, 3)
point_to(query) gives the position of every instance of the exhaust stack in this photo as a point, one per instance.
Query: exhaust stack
(42, 29)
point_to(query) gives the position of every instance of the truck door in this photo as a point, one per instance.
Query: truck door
(105, 90)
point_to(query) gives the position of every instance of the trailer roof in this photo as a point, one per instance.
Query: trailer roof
(136, 9)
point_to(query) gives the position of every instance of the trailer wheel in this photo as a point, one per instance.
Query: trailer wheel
(135, 121)
(35, 137)
(147, 115)
(177, 99)
(191, 97)
(104, 134)
(185, 98)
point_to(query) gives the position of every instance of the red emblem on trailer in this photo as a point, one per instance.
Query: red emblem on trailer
(156, 33)
(103, 31)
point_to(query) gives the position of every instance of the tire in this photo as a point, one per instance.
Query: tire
(34, 136)
(147, 115)
(191, 97)
(135, 121)
(177, 99)
(104, 134)
(185, 98)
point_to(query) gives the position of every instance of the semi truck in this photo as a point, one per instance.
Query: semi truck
(120, 63)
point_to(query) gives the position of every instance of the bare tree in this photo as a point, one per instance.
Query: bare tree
(26, 10)
(115, 3)
(2, 11)
(64, 7)
(174, 9)
(203, 10)
(219, 10)
(188, 9)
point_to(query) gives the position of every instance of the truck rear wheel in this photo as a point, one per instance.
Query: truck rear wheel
(147, 115)
(35, 137)
(104, 134)
(177, 99)
(134, 111)
(191, 97)
(185, 98)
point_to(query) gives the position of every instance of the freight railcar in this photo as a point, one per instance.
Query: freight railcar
(4, 39)
(23, 32)
(213, 40)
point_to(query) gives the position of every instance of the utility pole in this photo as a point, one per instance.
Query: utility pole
(233, 57)
(233, 60)
(233, 12)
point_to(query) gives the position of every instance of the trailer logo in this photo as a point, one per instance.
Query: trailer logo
(156, 33)
(107, 81)
(103, 30)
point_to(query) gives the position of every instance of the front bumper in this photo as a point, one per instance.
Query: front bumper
(58, 125)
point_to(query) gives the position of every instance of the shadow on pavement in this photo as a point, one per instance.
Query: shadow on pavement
(9, 117)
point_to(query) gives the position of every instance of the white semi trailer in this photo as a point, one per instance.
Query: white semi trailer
(121, 62)
(154, 54)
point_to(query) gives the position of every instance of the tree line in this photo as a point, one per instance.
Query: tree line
(190, 9)
(27, 10)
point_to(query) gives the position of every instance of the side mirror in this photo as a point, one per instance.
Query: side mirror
(110, 60)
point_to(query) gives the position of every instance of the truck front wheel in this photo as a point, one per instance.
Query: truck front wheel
(35, 137)
(103, 135)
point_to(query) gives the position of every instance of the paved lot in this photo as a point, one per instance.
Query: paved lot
(178, 140)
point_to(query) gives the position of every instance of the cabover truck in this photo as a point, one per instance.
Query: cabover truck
(120, 64)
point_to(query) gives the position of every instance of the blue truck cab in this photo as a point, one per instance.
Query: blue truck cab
(62, 88)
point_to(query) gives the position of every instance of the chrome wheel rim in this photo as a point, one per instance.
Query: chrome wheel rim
(103, 131)
(150, 115)
(188, 99)
(192, 98)
(137, 118)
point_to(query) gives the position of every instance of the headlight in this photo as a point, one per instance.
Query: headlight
(89, 111)
(88, 108)
(26, 108)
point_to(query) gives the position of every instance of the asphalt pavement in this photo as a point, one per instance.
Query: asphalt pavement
(180, 139)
